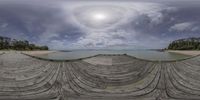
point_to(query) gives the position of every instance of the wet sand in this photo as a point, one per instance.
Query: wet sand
(187, 52)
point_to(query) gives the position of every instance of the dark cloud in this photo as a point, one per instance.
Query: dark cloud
(36, 23)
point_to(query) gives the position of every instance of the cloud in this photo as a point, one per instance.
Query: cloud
(4, 25)
(89, 16)
(68, 24)
(101, 39)
(124, 32)
(185, 26)
(54, 44)
(40, 23)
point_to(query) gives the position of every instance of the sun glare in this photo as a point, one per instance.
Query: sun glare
(99, 16)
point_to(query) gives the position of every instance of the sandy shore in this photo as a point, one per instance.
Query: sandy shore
(1, 52)
(28, 52)
(190, 53)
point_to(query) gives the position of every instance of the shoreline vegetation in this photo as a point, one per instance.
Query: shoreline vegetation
(187, 46)
(13, 44)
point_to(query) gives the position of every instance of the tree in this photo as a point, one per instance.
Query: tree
(185, 44)
(8, 43)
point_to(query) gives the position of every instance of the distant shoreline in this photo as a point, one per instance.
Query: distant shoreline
(185, 52)
(42, 52)
(35, 53)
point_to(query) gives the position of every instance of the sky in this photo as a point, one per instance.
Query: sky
(100, 24)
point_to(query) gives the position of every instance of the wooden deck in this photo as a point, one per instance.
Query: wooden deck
(101, 77)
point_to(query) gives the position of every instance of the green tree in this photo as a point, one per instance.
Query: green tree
(8, 43)
(185, 44)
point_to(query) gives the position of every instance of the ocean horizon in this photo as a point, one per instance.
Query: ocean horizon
(148, 54)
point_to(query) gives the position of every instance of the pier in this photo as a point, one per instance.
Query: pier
(100, 77)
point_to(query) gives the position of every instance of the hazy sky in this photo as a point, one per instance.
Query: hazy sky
(131, 24)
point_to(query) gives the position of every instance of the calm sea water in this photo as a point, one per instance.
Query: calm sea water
(143, 54)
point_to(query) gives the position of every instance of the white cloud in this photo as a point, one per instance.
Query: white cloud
(89, 16)
(121, 13)
(107, 37)
(196, 28)
(186, 26)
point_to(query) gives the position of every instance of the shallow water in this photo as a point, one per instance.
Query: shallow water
(143, 54)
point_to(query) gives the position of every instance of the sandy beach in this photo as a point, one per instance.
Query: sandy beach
(35, 53)
(187, 52)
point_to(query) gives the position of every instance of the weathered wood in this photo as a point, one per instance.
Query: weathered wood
(100, 77)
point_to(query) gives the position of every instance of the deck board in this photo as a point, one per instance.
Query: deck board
(101, 77)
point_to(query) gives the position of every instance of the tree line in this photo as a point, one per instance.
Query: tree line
(13, 44)
(185, 44)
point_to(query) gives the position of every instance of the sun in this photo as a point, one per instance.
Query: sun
(99, 16)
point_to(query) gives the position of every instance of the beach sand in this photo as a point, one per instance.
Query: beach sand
(35, 53)
(185, 52)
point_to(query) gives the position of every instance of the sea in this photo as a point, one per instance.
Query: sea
(142, 54)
